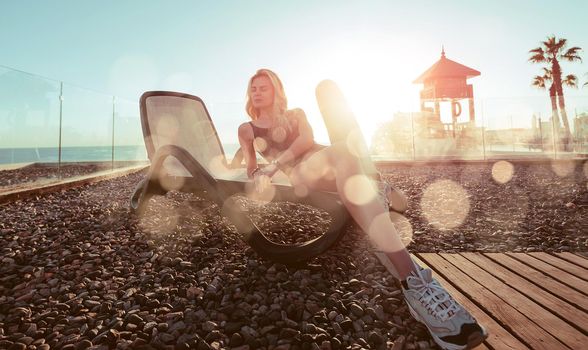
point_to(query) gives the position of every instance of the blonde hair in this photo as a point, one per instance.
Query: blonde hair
(280, 104)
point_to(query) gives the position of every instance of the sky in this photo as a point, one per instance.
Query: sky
(373, 49)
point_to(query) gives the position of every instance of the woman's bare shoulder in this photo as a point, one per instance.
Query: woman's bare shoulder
(295, 113)
(245, 130)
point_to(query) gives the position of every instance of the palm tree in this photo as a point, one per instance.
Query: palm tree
(551, 52)
(540, 82)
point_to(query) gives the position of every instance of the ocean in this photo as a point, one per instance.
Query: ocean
(82, 154)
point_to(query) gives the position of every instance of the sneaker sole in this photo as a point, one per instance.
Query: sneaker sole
(474, 339)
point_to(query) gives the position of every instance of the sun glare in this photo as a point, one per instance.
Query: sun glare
(373, 78)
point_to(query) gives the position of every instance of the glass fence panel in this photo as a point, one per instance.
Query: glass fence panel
(29, 115)
(577, 108)
(86, 130)
(129, 146)
(394, 139)
(515, 127)
(533, 127)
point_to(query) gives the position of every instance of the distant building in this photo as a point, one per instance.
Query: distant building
(581, 128)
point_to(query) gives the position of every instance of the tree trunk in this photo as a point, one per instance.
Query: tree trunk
(557, 85)
(568, 139)
(555, 123)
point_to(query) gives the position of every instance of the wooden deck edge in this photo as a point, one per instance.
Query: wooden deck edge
(10, 196)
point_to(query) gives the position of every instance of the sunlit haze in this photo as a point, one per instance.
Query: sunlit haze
(373, 49)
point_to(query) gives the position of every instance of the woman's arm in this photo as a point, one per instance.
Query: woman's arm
(246, 142)
(303, 142)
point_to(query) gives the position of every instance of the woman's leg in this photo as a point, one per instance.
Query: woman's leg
(335, 168)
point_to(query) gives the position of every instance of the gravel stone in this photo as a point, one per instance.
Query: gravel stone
(79, 270)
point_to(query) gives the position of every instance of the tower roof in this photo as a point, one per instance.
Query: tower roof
(446, 68)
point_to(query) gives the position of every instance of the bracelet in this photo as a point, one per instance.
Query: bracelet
(254, 171)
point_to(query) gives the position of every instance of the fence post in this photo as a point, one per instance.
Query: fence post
(412, 132)
(60, 129)
(553, 133)
(113, 112)
(483, 131)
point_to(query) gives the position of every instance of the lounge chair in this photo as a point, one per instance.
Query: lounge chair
(186, 154)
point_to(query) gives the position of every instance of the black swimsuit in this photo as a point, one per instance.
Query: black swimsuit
(273, 148)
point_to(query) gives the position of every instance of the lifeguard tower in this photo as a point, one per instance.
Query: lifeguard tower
(446, 81)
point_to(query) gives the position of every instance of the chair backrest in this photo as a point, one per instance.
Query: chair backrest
(182, 120)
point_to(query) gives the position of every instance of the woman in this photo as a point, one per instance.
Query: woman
(285, 138)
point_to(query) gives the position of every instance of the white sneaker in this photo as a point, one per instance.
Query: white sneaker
(394, 198)
(452, 327)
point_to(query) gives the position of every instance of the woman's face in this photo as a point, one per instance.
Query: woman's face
(262, 93)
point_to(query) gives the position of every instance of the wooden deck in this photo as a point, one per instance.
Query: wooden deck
(526, 301)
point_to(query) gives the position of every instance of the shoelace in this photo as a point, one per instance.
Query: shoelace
(435, 299)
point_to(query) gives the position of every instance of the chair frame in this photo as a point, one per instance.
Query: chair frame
(220, 191)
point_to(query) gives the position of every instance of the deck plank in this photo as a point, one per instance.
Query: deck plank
(546, 282)
(574, 269)
(541, 316)
(549, 301)
(498, 337)
(560, 275)
(573, 258)
(512, 319)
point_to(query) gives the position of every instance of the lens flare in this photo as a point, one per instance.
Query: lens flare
(380, 234)
(167, 129)
(403, 227)
(160, 219)
(279, 134)
(329, 174)
(563, 168)
(445, 204)
(260, 144)
(359, 190)
(502, 171)
(312, 171)
(355, 144)
(301, 190)
(265, 195)
(171, 183)
(217, 166)
(235, 208)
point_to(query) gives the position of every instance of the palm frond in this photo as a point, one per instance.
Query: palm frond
(549, 44)
(570, 80)
(537, 50)
(561, 44)
(572, 54)
(547, 74)
(538, 82)
(538, 58)
(538, 55)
